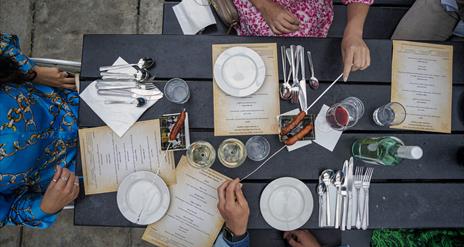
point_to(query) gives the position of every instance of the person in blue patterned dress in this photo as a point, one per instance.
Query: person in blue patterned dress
(38, 139)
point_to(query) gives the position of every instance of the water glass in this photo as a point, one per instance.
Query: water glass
(390, 114)
(177, 91)
(258, 148)
(232, 153)
(345, 114)
(201, 154)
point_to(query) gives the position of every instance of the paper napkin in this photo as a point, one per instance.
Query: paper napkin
(119, 117)
(326, 136)
(194, 15)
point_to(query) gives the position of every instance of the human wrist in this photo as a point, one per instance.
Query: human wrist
(353, 30)
(237, 231)
(260, 4)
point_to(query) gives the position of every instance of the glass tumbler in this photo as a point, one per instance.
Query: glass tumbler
(390, 114)
(177, 91)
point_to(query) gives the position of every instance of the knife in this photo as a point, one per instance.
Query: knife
(349, 178)
(344, 194)
(302, 84)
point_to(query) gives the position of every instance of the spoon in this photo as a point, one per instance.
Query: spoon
(141, 76)
(285, 88)
(143, 63)
(321, 190)
(313, 81)
(337, 181)
(140, 101)
(327, 176)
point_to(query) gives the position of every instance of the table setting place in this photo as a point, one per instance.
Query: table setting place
(152, 190)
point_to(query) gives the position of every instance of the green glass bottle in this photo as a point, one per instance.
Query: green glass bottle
(388, 151)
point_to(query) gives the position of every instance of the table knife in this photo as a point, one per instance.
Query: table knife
(349, 177)
(302, 92)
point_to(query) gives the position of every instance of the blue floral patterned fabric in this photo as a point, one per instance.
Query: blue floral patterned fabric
(38, 131)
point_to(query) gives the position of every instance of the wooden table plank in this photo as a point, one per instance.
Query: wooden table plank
(190, 56)
(385, 17)
(200, 105)
(400, 205)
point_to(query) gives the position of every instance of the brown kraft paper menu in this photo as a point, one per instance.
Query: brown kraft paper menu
(422, 82)
(192, 219)
(254, 114)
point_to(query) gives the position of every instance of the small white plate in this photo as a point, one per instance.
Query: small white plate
(143, 197)
(286, 204)
(239, 71)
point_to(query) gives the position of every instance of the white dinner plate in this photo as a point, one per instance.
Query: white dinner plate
(143, 197)
(286, 204)
(239, 71)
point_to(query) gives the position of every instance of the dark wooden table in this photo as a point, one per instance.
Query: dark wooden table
(427, 193)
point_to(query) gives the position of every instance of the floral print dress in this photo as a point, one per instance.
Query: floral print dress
(315, 17)
(38, 131)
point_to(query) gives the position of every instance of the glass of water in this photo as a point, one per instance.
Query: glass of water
(177, 91)
(390, 114)
(258, 148)
(232, 153)
(201, 154)
(345, 114)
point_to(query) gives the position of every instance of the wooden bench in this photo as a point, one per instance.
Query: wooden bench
(383, 17)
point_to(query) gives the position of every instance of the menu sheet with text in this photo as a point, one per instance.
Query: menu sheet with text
(422, 82)
(192, 219)
(254, 114)
(107, 158)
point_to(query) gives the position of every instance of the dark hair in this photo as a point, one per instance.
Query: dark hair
(9, 72)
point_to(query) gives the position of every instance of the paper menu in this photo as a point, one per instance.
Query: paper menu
(193, 219)
(255, 114)
(107, 159)
(422, 83)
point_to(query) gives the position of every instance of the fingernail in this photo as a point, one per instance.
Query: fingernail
(345, 79)
(241, 185)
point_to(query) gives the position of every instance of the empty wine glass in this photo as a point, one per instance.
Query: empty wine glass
(177, 91)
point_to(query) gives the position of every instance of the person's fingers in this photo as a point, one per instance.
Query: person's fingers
(68, 189)
(282, 29)
(65, 173)
(292, 242)
(222, 195)
(287, 235)
(68, 86)
(63, 74)
(240, 197)
(57, 174)
(68, 80)
(357, 60)
(230, 193)
(367, 57)
(274, 30)
(289, 26)
(76, 188)
(291, 18)
(347, 63)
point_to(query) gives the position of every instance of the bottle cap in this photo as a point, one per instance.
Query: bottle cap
(410, 152)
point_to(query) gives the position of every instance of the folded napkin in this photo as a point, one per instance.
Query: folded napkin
(119, 117)
(194, 15)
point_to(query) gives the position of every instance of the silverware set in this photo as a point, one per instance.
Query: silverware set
(130, 87)
(296, 92)
(344, 197)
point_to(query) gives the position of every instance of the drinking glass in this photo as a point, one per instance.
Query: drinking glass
(258, 148)
(177, 91)
(232, 153)
(345, 114)
(201, 154)
(390, 114)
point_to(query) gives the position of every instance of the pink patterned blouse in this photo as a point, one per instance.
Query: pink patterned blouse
(315, 17)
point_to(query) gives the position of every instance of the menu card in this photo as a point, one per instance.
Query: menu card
(422, 83)
(193, 219)
(107, 158)
(254, 114)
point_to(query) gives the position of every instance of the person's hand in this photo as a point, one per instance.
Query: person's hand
(301, 238)
(233, 206)
(63, 189)
(54, 77)
(280, 20)
(355, 53)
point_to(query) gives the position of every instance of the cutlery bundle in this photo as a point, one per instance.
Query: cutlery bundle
(344, 197)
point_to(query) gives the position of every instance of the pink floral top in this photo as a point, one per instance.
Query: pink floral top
(315, 17)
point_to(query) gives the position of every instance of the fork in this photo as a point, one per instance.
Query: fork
(295, 90)
(358, 176)
(365, 186)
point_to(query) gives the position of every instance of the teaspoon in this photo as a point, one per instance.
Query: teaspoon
(321, 190)
(143, 63)
(327, 176)
(313, 81)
